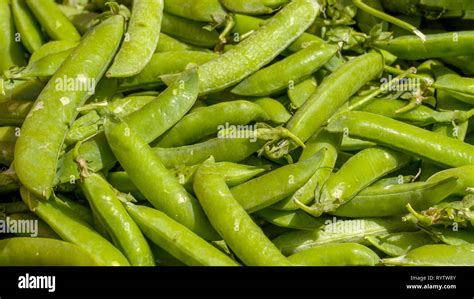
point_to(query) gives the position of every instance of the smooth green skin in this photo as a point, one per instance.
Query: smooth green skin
(232, 222)
(286, 72)
(124, 231)
(464, 63)
(258, 49)
(207, 121)
(11, 52)
(189, 31)
(31, 36)
(46, 66)
(83, 128)
(202, 10)
(20, 90)
(13, 112)
(52, 47)
(392, 200)
(275, 185)
(277, 113)
(449, 78)
(342, 231)
(290, 219)
(43, 252)
(168, 44)
(404, 137)
(398, 180)
(449, 4)
(54, 22)
(177, 239)
(327, 142)
(36, 153)
(436, 45)
(366, 21)
(338, 254)
(398, 244)
(435, 255)
(465, 178)
(159, 186)
(74, 230)
(253, 7)
(122, 107)
(163, 258)
(163, 64)
(351, 144)
(361, 170)
(223, 149)
(301, 92)
(333, 92)
(451, 237)
(44, 231)
(140, 41)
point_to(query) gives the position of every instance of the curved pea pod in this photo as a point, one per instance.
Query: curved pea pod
(465, 175)
(13, 112)
(253, 7)
(52, 19)
(275, 185)
(143, 32)
(205, 10)
(290, 219)
(337, 254)
(37, 230)
(275, 110)
(189, 31)
(436, 45)
(43, 252)
(349, 144)
(125, 233)
(162, 64)
(435, 255)
(301, 92)
(43, 67)
(286, 72)
(11, 52)
(232, 222)
(339, 231)
(122, 107)
(20, 90)
(450, 236)
(406, 138)
(168, 44)
(155, 182)
(177, 239)
(398, 244)
(31, 36)
(52, 47)
(464, 63)
(464, 86)
(35, 159)
(333, 92)
(73, 229)
(210, 120)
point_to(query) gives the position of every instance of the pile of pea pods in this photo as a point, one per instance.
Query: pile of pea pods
(237, 132)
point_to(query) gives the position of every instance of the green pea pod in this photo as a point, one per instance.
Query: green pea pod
(464, 175)
(277, 113)
(11, 52)
(333, 92)
(20, 90)
(140, 40)
(398, 180)
(210, 120)
(464, 63)
(168, 44)
(43, 252)
(338, 254)
(74, 230)
(42, 230)
(154, 181)
(52, 47)
(177, 239)
(435, 255)
(13, 112)
(450, 236)
(44, 67)
(54, 22)
(464, 86)
(349, 144)
(205, 10)
(398, 244)
(253, 7)
(235, 226)
(123, 230)
(301, 92)
(26, 24)
(286, 72)
(122, 107)
(406, 138)
(189, 31)
(290, 219)
(339, 231)
(35, 159)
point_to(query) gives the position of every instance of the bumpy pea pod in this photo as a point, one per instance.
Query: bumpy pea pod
(54, 22)
(232, 222)
(209, 120)
(338, 254)
(290, 219)
(35, 159)
(11, 53)
(435, 255)
(13, 112)
(464, 182)
(286, 72)
(339, 231)
(398, 244)
(253, 7)
(177, 239)
(404, 137)
(124, 231)
(204, 10)
(392, 200)
(154, 181)
(189, 31)
(335, 89)
(72, 229)
(31, 36)
(140, 40)
(43, 252)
